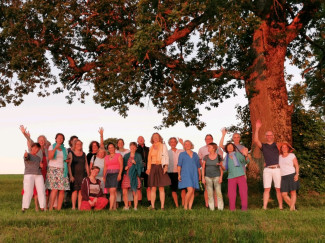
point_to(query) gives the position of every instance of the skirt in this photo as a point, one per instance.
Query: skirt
(174, 180)
(56, 180)
(126, 183)
(111, 180)
(288, 183)
(157, 178)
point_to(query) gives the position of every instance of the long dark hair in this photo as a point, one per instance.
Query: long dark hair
(91, 146)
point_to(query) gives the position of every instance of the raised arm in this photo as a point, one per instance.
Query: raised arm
(101, 133)
(26, 135)
(224, 132)
(256, 139)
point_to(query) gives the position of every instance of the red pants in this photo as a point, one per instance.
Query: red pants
(232, 192)
(100, 204)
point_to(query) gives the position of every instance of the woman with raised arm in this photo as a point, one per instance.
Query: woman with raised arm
(94, 146)
(157, 170)
(57, 174)
(92, 193)
(132, 164)
(99, 161)
(189, 173)
(43, 155)
(212, 174)
(78, 167)
(112, 174)
(234, 163)
(289, 174)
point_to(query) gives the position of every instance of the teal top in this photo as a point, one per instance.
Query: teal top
(236, 171)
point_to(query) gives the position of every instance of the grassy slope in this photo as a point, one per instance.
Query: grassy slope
(171, 225)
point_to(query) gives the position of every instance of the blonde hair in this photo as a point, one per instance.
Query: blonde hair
(160, 138)
(101, 149)
(192, 145)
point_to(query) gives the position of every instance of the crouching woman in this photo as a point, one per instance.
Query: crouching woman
(91, 191)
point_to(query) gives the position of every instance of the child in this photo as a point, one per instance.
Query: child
(33, 175)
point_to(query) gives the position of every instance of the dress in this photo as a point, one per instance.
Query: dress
(126, 183)
(78, 170)
(189, 171)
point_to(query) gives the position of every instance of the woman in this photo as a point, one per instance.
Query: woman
(77, 169)
(212, 175)
(112, 174)
(91, 191)
(57, 174)
(235, 163)
(99, 161)
(289, 168)
(157, 170)
(94, 146)
(189, 173)
(132, 164)
(43, 154)
(120, 147)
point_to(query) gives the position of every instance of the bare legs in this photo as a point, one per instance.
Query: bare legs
(135, 198)
(189, 198)
(53, 195)
(74, 196)
(161, 195)
(112, 198)
(175, 198)
(290, 201)
(266, 196)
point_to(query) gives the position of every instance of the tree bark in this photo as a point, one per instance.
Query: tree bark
(266, 87)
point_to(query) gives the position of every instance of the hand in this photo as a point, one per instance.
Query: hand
(179, 178)
(95, 200)
(91, 203)
(220, 180)
(25, 154)
(181, 141)
(203, 181)
(224, 131)
(119, 177)
(126, 168)
(148, 172)
(165, 169)
(101, 131)
(23, 129)
(133, 162)
(41, 165)
(71, 179)
(245, 152)
(295, 178)
(68, 160)
(57, 146)
(258, 124)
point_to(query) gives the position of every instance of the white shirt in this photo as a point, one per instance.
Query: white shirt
(58, 161)
(286, 164)
(122, 153)
(204, 151)
(173, 160)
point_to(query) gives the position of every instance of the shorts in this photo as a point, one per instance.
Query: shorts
(270, 175)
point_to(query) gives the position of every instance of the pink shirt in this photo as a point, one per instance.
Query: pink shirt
(112, 164)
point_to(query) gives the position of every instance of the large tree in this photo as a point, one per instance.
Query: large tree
(177, 54)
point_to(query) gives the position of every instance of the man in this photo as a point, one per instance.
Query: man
(173, 154)
(203, 151)
(144, 151)
(235, 138)
(271, 170)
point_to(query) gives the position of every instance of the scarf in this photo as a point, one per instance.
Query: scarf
(65, 155)
(234, 158)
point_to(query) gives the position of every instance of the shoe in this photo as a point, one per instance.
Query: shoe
(135, 209)
(151, 208)
(125, 208)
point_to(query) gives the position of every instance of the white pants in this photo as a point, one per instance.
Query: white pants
(213, 182)
(29, 182)
(270, 175)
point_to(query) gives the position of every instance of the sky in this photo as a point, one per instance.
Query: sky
(50, 115)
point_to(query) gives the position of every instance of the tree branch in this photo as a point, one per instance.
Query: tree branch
(301, 19)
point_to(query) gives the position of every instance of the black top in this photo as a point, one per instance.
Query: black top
(144, 151)
(270, 153)
(89, 156)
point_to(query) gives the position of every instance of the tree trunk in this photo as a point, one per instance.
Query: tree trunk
(266, 87)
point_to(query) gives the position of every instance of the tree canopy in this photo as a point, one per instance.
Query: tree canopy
(178, 54)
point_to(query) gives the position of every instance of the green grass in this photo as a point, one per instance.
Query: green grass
(171, 225)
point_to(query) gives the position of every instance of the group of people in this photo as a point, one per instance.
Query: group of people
(51, 170)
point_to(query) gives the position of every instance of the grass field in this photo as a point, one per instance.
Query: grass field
(172, 225)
